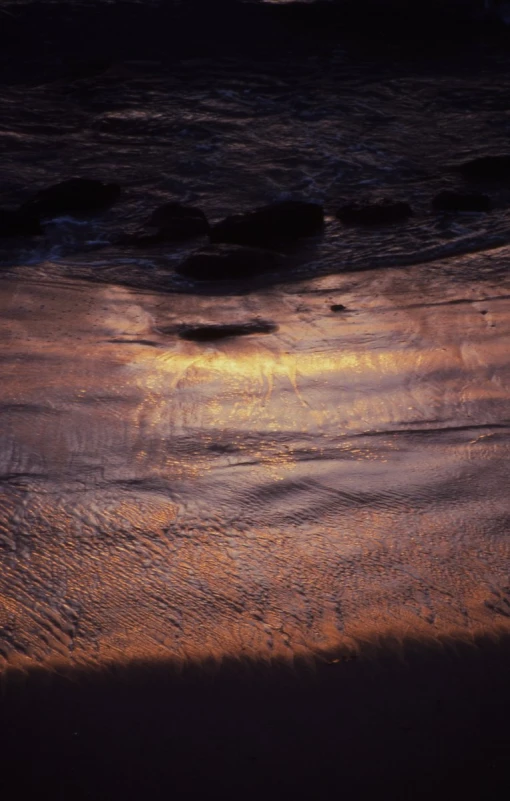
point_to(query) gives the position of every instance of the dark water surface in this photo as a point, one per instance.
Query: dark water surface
(340, 477)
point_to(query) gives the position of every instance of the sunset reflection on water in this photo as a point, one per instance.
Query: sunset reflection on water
(275, 495)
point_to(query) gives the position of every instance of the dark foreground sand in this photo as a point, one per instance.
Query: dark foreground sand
(414, 722)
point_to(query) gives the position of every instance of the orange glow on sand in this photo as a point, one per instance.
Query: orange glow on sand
(274, 496)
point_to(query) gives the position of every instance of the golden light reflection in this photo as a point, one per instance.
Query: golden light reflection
(339, 480)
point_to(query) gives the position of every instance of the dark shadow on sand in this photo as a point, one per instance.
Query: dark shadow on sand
(413, 721)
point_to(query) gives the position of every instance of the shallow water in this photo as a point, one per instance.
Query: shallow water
(339, 479)
(278, 494)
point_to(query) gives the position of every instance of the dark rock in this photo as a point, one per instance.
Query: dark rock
(461, 201)
(182, 228)
(208, 333)
(175, 223)
(140, 239)
(17, 223)
(271, 225)
(75, 195)
(380, 213)
(168, 213)
(338, 307)
(490, 169)
(178, 230)
(230, 263)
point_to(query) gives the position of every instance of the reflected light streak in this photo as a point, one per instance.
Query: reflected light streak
(270, 496)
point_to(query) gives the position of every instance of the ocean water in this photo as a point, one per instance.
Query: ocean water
(339, 480)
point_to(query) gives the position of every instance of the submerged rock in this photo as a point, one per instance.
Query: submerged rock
(181, 229)
(209, 333)
(285, 221)
(175, 223)
(379, 213)
(140, 239)
(338, 307)
(461, 201)
(230, 263)
(493, 169)
(18, 223)
(74, 195)
(168, 213)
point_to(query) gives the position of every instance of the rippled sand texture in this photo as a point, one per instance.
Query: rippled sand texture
(339, 480)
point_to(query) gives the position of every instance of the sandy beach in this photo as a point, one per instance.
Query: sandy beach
(254, 533)
(279, 495)
(217, 579)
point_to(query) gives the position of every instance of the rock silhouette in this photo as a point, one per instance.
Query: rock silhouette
(77, 195)
(272, 225)
(461, 201)
(224, 262)
(140, 239)
(490, 169)
(379, 213)
(179, 230)
(168, 213)
(17, 223)
(175, 223)
(209, 333)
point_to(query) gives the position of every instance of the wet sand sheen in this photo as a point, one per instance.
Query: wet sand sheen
(272, 496)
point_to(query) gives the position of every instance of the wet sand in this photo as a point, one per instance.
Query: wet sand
(279, 495)
(276, 565)
(269, 566)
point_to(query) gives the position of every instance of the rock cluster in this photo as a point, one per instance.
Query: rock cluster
(269, 226)
(251, 243)
(384, 212)
(461, 201)
(485, 169)
(17, 223)
(75, 196)
(174, 222)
